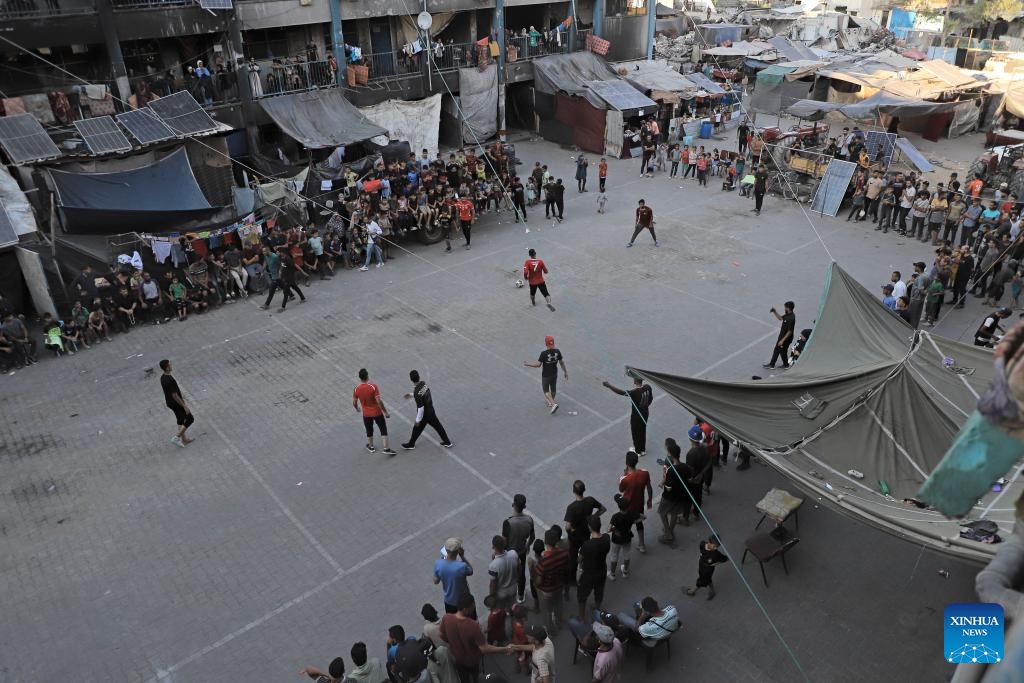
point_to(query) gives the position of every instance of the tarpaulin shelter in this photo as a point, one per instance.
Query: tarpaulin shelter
(863, 417)
(774, 92)
(714, 34)
(415, 121)
(320, 119)
(659, 80)
(869, 108)
(475, 108)
(158, 196)
(582, 102)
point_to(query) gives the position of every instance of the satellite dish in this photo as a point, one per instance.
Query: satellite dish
(424, 21)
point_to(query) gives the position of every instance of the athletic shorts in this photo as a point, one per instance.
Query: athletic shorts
(183, 419)
(542, 287)
(549, 384)
(671, 507)
(590, 583)
(382, 425)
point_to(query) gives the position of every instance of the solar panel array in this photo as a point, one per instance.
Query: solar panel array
(215, 4)
(145, 126)
(183, 114)
(102, 136)
(24, 139)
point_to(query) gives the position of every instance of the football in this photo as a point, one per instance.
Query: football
(519, 283)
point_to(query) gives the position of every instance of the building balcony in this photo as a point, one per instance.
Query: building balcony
(32, 9)
(151, 4)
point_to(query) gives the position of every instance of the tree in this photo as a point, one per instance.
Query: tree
(985, 11)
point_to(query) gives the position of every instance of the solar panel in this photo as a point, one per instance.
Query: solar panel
(183, 114)
(145, 126)
(215, 4)
(878, 141)
(24, 139)
(102, 136)
(833, 186)
(7, 234)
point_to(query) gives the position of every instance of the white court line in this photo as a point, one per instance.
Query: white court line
(515, 366)
(235, 338)
(280, 503)
(166, 673)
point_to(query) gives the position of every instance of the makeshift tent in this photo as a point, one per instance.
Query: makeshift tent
(575, 93)
(706, 84)
(417, 122)
(774, 92)
(320, 119)
(659, 80)
(863, 418)
(870, 108)
(158, 196)
(476, 106)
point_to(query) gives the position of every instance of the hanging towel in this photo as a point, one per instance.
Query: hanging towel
(199, 247)
(61, 107)
(39, 106)
(161, 250)
(96, 91)
(103, 107)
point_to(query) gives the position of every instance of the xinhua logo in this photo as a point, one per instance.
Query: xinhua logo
(973, 633)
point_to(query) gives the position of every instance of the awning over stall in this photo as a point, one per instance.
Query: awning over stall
(320, 119)
(868, 108)
(158, 196)
(572, 74)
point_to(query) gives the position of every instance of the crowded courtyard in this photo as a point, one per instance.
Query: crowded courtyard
(276, 540)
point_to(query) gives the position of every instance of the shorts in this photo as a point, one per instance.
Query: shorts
(183, 419)
(381, 423)
(619, 553)
(542, 287)
(590, 583)
(549, 384)
(181, 305)
(671, 507)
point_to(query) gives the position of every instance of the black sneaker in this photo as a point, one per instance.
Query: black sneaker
(408, 446)
(371, 448)
(767, 365)
(388, 451)
(447, 444)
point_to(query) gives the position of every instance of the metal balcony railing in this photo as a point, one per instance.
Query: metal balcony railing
(281, 76)
(28, 9)
(151, 4)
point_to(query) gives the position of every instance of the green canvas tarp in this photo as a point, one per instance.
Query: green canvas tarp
(870, 394)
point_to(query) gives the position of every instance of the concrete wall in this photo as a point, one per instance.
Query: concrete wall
(272, 13)
(628, 38)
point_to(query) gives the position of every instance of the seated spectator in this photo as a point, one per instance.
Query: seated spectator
(151, 300)
(96, 326)
(16, 332)
(198, 299)
(72, 335)
(80, 314)
(746, 185)
(125, 308)
(10, 355)
(52, 338)
(650, 622)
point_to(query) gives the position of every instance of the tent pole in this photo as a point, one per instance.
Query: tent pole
(499, 29)
(53, 242)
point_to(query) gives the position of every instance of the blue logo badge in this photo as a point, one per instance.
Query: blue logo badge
(973, 633)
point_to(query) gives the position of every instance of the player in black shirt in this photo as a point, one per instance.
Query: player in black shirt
(549, 360)
(592, 556)
(576, 515)
(176, 402)
(640, 398)
(781, 350)
(710, 555)
(425, 414)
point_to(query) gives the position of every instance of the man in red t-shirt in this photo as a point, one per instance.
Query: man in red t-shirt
(634, 484)
(644, 221)
(367, 396)
(466, 212)
(713, 443)
(534, 270)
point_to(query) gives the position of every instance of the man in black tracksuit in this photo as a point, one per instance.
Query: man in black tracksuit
(425, 414)
(640, 397)
(519, 199)
(559, 192)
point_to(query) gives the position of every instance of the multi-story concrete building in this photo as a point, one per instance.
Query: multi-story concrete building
(259, 48)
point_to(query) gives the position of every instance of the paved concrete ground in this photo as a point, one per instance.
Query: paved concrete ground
(276, 541)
